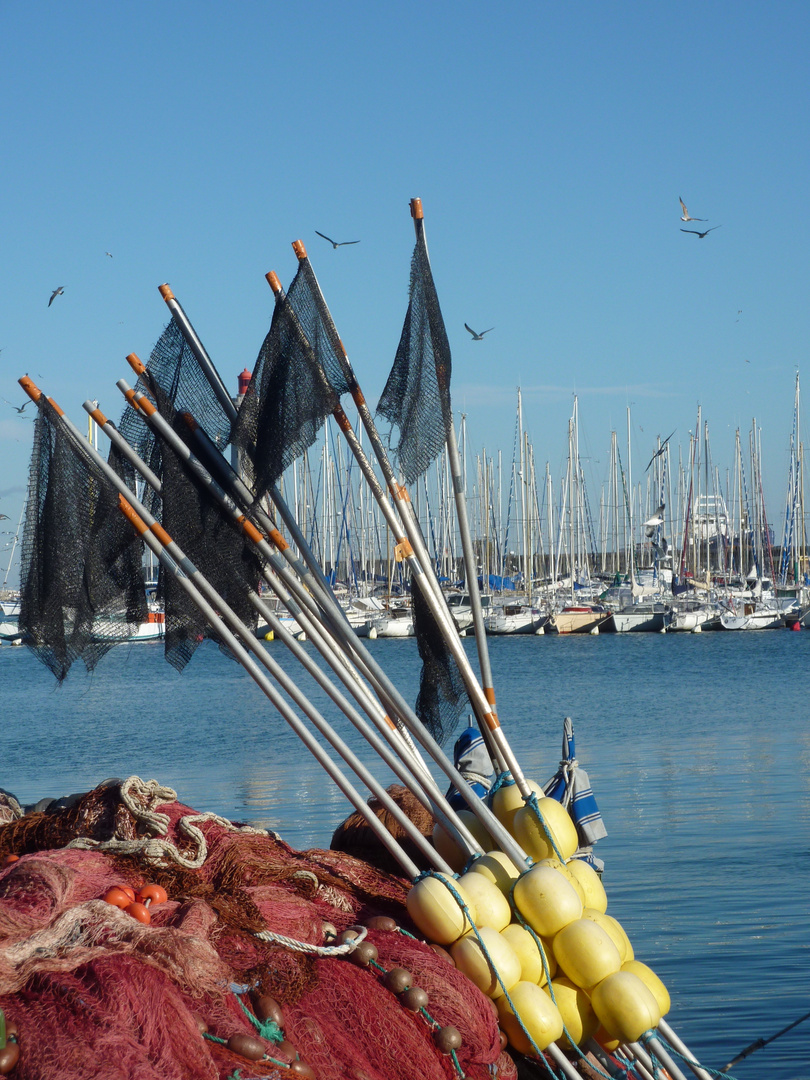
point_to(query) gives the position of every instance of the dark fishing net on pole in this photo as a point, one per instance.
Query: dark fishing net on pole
(442, 697)
(289, 395)
(416, 398)
(185, 508)
(82, 585)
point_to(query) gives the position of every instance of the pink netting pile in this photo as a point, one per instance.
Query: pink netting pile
(94, 992)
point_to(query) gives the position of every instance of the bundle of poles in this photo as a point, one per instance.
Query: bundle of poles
(360, 688)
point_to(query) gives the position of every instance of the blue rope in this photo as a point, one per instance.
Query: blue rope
(654, 1034)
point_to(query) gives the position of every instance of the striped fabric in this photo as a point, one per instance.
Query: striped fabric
(571, 787)
(471, 758)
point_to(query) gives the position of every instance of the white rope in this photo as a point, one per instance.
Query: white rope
(141, 798)
(317, 950)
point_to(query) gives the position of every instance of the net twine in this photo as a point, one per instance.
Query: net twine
(141, 798)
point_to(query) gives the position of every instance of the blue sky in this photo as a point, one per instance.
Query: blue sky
(548, 142)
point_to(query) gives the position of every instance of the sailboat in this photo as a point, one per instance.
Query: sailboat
(574, 617)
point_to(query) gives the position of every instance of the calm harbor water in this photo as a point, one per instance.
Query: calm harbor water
(697, 746)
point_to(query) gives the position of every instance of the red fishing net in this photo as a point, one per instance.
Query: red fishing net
(94, 992)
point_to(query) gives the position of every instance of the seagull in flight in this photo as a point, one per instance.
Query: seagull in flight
(337, 243)
(108, 253)
(700, 235)
(685, 214)
(477, 337)
(55, 293)
(660, 449)
(19, 408)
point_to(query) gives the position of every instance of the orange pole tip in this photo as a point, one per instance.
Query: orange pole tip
(136, 363)
(251, 530)
(99, 417)
(30, 387)
(273, 282)
(130, 396)
(166, 292)
(131, 516)
(299, 249)
(416, 209)
(158, 531)
(145, 404)
(189, 419)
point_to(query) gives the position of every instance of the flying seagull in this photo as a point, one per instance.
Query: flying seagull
(337, 243)
(19, 408)
(660, 449)
(108, 253)
(700, 235)
(685, 214)
(55, 293)
(477, 337)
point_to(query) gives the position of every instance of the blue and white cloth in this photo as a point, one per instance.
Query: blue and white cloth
(571, 787)
(471, 758)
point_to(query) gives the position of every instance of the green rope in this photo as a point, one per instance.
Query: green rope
(267, 1029)
(533, 802)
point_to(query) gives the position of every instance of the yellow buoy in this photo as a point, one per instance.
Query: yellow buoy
(551, 962)
(435, 910)
(269, 636)
(546, 900)
(624, 1005)
(450, 851)
(652, 982)
(620, 930)
(494, 975)
(562, 868)
(507, 800)
(531, 834)
(576, 1010)
(595, 895)
(585, 953)
(613, 928)
(531, 962)
(606, 1041)
(499, 868)
(491, 906)
(538, 1014)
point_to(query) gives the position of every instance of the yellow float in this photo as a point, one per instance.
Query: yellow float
(538, 1013)
(585, 953)
(491, 906)
(531, 834)
(576, 1010)
(595, 895)
(652, 982)
(624, 1005)
(435, 911)
(469, 957)
(499, 868)
(528, 952)
(546, 900)
(507, 800)
(614, 929)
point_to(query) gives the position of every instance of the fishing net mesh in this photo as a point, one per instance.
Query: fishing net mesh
(82, 586)
(416, 397)
(292, 389)
(86, 983)
(186, 508)
(442, 698)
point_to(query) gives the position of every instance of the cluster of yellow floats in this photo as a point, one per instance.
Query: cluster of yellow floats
(586, 981)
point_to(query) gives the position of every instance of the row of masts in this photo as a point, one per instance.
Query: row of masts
(683, 519)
